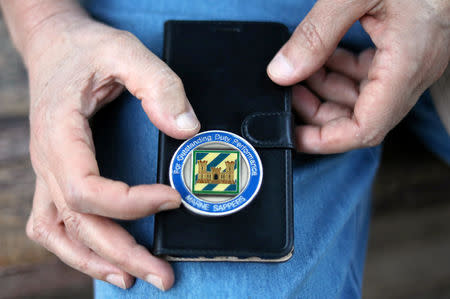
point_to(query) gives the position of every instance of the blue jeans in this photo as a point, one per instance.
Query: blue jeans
(331, 193)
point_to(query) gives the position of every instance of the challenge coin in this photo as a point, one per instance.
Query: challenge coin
(217, 173)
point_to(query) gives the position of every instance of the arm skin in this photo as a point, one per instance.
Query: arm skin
(25, 18)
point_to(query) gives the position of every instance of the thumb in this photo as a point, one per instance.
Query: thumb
(315, 39)
(152, 81)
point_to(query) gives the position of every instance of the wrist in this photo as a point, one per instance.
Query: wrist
(36, 24)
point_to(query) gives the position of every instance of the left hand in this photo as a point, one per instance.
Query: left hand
(413, 49)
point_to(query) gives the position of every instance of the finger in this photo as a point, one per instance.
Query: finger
(383, 102)
(327, 139)
(314, 39)
(312, 111)
(43, 228)
(152, 81)
(85, 191)
(334, 87)
(114, 244)
(351, 65)
(110, 241)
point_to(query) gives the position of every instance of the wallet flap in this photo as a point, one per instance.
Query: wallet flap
(269, 130)
(226, 82)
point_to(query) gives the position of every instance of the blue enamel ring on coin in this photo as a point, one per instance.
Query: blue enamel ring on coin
(216, 173)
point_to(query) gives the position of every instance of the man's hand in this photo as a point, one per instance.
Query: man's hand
(75, 66)
(413, 49)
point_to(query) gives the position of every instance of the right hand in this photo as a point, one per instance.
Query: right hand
(412, 39)
(75, 66)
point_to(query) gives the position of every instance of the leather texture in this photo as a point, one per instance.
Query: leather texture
(269, 130)
(223, 68)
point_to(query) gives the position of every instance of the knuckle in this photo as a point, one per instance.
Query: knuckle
(116, 42)
(83, 265)
(39, 232)
(167, 82)
(72, 222)
(311, 37)
(73, 197)
(122, 37)
(124, 259)
(372, 138)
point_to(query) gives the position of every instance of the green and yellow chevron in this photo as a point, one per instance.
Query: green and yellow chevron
(215, 172)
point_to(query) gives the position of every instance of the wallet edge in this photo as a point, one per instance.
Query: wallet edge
(234, 259)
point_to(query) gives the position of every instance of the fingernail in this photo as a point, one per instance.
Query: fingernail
(280, 67)
(169, 205)
(187, 121)
(116, 279)
(155, 280)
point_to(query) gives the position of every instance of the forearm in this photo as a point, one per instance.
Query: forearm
(25, 18)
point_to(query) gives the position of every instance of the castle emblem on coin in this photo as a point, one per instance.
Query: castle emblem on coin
(216, 172)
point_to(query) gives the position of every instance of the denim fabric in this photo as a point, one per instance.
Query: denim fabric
(331, 193)
(426, 125)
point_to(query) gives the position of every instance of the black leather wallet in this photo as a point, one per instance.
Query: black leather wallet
(223, 68)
